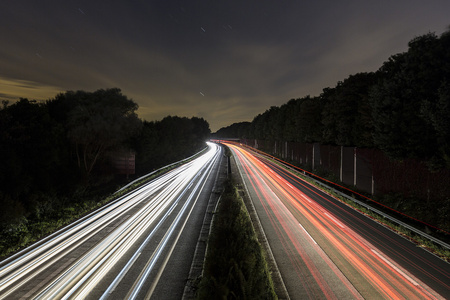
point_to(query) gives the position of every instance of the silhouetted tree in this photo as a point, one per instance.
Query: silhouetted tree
(401, 109)
(99, 122)
(406, 101)
(49, 149)
(346, 114)
(308, 121)
(235, 130)
(169, 140)
(29, 155)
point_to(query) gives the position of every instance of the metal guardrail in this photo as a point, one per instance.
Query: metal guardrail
(150, 174)
(384, 215)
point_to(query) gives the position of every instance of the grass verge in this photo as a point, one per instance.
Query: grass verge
(235, 266)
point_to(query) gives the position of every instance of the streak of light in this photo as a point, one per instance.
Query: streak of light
(86, 272)
(358, 260)
(196, 191)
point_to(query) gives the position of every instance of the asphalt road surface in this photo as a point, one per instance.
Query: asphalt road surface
(140, 246)
(327, 250)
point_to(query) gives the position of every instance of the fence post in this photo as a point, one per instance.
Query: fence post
(342, 160)
(313, 158)
(286, 150)
(354, 166)
(373, 184)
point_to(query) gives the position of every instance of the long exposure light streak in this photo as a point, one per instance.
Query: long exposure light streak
(141, 211)
(137, 288)
(359, 263)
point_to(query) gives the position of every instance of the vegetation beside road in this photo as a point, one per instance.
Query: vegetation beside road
(58, 157)
(28, 231)
(235, 265)
(401, 110)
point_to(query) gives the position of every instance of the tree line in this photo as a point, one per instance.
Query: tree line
(402, 109)
(59, 151)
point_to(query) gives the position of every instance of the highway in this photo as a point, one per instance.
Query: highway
(137, 247)
(326, 250)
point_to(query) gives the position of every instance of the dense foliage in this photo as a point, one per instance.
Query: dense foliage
(57, 154)
(402, 109)
(233, 131)
(169, 140)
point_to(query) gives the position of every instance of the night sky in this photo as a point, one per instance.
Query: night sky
(225, 61)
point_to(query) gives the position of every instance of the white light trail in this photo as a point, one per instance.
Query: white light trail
(84, 274)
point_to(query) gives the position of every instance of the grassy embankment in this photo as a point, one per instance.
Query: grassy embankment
(235, 265)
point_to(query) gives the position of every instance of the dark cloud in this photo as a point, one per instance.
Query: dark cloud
(225, 61)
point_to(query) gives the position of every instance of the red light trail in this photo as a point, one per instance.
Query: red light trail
(327, 258)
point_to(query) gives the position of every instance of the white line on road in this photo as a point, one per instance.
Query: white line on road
(307, 233)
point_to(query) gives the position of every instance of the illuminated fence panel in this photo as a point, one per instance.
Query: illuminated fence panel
(347, 165)
(331, 159)
(364, 170)
(410, 177)
(370, 170)
(125, 163)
